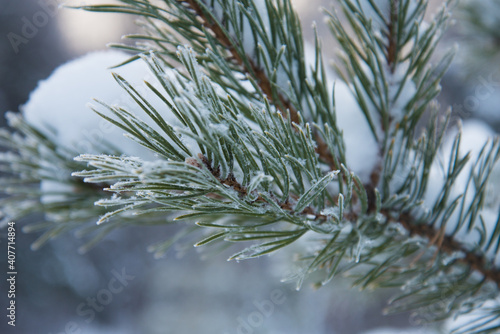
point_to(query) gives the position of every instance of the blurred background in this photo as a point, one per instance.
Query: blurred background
(57, 288)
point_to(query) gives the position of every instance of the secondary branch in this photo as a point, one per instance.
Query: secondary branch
(448, 244)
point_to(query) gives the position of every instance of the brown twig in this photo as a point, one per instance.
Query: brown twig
(392, 45)
(449, 245)
(250, 67)
(231, 182)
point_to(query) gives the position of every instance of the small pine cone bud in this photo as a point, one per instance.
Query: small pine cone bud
(193, 162)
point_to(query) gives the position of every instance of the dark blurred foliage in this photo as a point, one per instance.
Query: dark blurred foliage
(45, 288)
(35, 60)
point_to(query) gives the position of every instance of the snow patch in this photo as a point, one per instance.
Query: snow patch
(487, 311)
(362, 151)
(58, 107)
(378, 14)
(400, 96)
(59, 104)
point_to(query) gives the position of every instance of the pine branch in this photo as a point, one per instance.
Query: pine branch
(259, 75)
(264, 83)
(266, 165)
(446, 243)
(204, 16)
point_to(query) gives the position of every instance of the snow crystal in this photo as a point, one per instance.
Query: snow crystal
(330, 211)
(219, 128)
